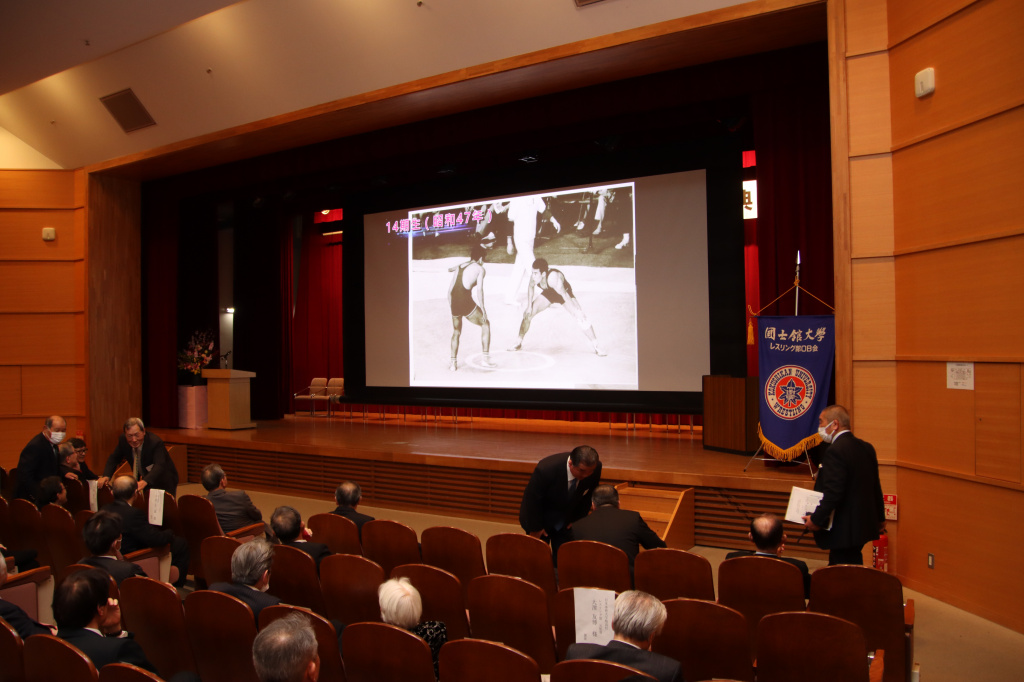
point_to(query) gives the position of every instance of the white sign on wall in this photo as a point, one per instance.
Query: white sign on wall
(960, 375)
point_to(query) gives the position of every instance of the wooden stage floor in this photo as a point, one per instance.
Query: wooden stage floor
(478, 467)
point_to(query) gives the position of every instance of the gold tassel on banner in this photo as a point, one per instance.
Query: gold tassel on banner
(750, 331)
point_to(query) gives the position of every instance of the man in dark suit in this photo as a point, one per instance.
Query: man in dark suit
(102, 534)
(90, 620)
(137, 533)
(39, 458)
(848, 478)
(613, 526)
(637, 619)
(16, 617)
(234, 508)
(250, 576)
(558, 494)
(146, 454)
(287, 525)
(767, 536)
(348, 496)
(287, 650)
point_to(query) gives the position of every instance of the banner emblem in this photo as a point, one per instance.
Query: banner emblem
(789, 391)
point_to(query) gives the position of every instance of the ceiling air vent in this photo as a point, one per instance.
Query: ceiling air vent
(127, 110)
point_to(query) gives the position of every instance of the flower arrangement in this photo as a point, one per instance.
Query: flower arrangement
(197, 353)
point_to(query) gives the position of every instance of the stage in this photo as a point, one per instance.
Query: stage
(453, 463)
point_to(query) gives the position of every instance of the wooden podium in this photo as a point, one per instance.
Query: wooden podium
(228, 399)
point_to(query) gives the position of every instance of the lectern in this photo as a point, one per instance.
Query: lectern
(228, 399)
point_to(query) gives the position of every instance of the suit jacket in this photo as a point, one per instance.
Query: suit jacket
(234, 509)
(662, 667)
(38, 460)
(120, 570)
(103, 650)
(796, 562)
(256, 600)
(313, 549)
(546, 503)
(848, 477)
(617, 527)
(136, 531)
(352, 515)
(20, 621)
(157, 468)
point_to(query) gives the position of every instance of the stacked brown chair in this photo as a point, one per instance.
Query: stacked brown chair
(199, 521)
(341, 535)
(295, 581)
(221, 629)
(455, 550)
(331, 667)
(12, 653)
(874, 601)
(524, 557)
(390, 544)
(756, 586)
(514, 612)
(376, 651)
(350, 585)
(48, 658)
(709, 640)
(674, 574)
(217, 553)
(441, 595)
(585, 563)
(801, 646)
(126, 672)
(471, 660)
(585, 670)
(152, 611)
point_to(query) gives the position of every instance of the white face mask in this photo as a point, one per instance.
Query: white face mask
(56, 437)
(823, 432)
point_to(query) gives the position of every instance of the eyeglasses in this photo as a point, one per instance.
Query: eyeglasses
(82, 451)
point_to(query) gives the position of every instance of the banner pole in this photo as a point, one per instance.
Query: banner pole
(796, 283)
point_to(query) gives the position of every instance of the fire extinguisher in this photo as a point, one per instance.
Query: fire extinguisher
(880, 552)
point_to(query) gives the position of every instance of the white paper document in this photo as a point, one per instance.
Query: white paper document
(802, 502)
(156, 507)
(93, 504)
(593, 614)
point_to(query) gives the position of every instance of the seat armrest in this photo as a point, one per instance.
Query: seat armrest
(877, 668)
(34, 575)
(246, 533)
(908, 615)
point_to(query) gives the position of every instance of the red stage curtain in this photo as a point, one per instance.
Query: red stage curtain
(317, 343)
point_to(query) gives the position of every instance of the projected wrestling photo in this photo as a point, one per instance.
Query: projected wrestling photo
(534, 291)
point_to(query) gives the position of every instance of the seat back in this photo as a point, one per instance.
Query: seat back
(674, 574)
(64, 543)
(463, 661)
(376, 651)
(153, 612)
(565, 620)
(221, 629)
(455, 550)
(524, 557)
(78, 495)
(104, 496)
(8, 483)
(198, 522)
(587, 670)
(32, 590)
(341, 535)
(514, 612)
(217, 551)
(5, 521)
(390, 544)
(871, 599)
(350, 585)
(585, 563)
(294, 579)
(756, 586)
(48, 658)
(709, 640)
(12, 653)
(172, 517)
(71, 569)
(441, 594)
(126, 672)
(800, 646)
(331, 667)
(24, 528)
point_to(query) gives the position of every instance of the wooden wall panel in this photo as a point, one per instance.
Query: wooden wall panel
(962, 302)
(935, 425)
(871, 206)
(874, 407)
(10, 391)
(998, 421)
(908, 17)
(21, 235)
(868, 90)
(874, 309)
(953, 188)
(972, 530)
(37, 189)
(40, 286)
(978, 58)
(55, 389)
(866, 26)
(41, 339)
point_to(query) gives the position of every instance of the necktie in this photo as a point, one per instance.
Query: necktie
(136, 455)
(572, 487)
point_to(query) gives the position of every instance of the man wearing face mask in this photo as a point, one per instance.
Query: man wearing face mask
(39, 459)
(848, 478)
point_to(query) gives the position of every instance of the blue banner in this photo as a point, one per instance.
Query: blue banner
(795, 357)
